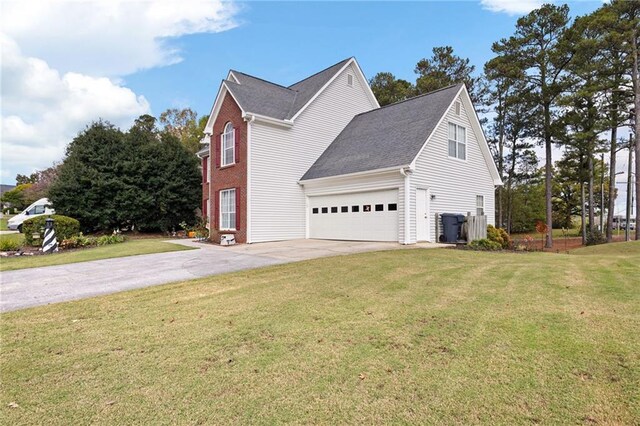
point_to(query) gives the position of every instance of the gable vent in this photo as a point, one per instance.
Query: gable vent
(350, 80)
(458, 106)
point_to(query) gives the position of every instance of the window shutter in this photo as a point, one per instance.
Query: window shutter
(205, 172)
(237, 144)
(216, 150)
(216, 210)
(238, 208)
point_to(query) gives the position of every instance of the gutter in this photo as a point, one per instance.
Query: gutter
(406, 173)
(250, 116)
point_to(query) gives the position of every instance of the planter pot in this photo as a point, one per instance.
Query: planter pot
(191, 234)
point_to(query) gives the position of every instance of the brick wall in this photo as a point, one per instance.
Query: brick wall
(233, 176)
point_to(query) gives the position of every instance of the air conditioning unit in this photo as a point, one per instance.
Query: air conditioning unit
(227, 239)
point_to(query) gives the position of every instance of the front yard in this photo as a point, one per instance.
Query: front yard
(130, 247)
(406, 336)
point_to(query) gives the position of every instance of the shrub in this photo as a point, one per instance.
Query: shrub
(499, 235)
(77, 241)
(484, 244)
(110, 239)
(64, 226)
(8, 244)
(595, 237)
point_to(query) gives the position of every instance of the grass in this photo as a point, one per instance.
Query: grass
(128, 248)
(4, 223)
(406, 336)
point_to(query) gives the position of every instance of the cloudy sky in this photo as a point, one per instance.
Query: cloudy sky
(66, 63)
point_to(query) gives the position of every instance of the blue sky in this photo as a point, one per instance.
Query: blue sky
(66, 63)
(286, 41)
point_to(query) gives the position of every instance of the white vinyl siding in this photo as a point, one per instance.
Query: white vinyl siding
(228, 209)
(228, 147)
(279, 157)
(453, 185)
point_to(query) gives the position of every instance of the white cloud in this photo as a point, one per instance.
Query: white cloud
(110, 37)
(62, 59)
(511, 7)
(42, 110)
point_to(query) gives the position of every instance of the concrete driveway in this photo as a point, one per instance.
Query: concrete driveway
(40, 286)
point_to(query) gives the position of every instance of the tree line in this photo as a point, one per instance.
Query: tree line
(554, 82)
(146, 178)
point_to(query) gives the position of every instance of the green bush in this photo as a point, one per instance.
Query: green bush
(110, 239)
(594, 238)
(484, 244)
(499, 235)
(8, 244)
(77, 241)
(64, 226)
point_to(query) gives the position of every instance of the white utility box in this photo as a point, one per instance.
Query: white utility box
(227, 239)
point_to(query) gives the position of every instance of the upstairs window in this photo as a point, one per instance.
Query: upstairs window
(228, 148)
(457, 141)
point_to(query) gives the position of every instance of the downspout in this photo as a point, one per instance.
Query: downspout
(406, 173)
(248, 208)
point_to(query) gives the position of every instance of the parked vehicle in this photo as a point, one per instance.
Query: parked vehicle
(39, 208)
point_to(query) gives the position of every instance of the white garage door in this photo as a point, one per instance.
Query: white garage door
(363, 216)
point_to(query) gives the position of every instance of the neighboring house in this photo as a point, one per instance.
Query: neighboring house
(321, 159)
(5, 188)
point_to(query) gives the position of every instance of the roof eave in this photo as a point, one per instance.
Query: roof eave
(373, 172)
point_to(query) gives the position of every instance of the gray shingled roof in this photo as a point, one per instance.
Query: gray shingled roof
(272, 100)
(385, 137)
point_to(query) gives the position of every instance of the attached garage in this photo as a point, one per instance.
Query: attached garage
(360, 216)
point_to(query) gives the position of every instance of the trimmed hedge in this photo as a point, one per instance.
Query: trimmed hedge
(64, 226)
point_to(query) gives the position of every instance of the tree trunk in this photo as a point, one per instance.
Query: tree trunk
(636, 95)
(627, 231)
(591, 199)
(583, 222)
(501, 166)
(612, 180)
(512, 171)
(548, 175)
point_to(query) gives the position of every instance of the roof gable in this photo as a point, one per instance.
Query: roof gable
(385, 137)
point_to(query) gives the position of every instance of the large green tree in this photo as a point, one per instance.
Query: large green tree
(142, 179)
(389, 89)
(540, 52)
(184, 125)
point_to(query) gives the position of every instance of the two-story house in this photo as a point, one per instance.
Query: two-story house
(321, 159)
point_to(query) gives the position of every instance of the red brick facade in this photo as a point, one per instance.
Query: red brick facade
(228, 177)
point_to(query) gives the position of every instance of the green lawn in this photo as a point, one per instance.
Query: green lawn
(407, 336)
(128, 248)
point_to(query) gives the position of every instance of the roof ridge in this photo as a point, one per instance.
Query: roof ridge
(261, 79)
(321, 71)
(411, 99)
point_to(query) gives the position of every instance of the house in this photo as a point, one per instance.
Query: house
(321, 159)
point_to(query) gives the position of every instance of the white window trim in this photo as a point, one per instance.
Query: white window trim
(222, 211)
(223, 139)
(482, 207)
(464, 142)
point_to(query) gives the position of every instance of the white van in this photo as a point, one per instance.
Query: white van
(40, 207)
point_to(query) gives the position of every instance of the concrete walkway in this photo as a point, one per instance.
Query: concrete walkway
(40, 286)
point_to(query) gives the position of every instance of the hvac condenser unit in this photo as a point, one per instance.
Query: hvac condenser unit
(227, 239)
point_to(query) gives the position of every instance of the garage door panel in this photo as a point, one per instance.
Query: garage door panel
(360, 225)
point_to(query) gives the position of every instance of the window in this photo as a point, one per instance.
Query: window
(458, 107)
(334, 210)
(355, 209)
(36, 210)
(479, 205)
(457, 141)
(366, 208)
(344, 209)
(315, 210)
(379, 207)
(228, 209)
(349, 80)
(228, 146)
(392, 207)
(205, 169)
(325, 210)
